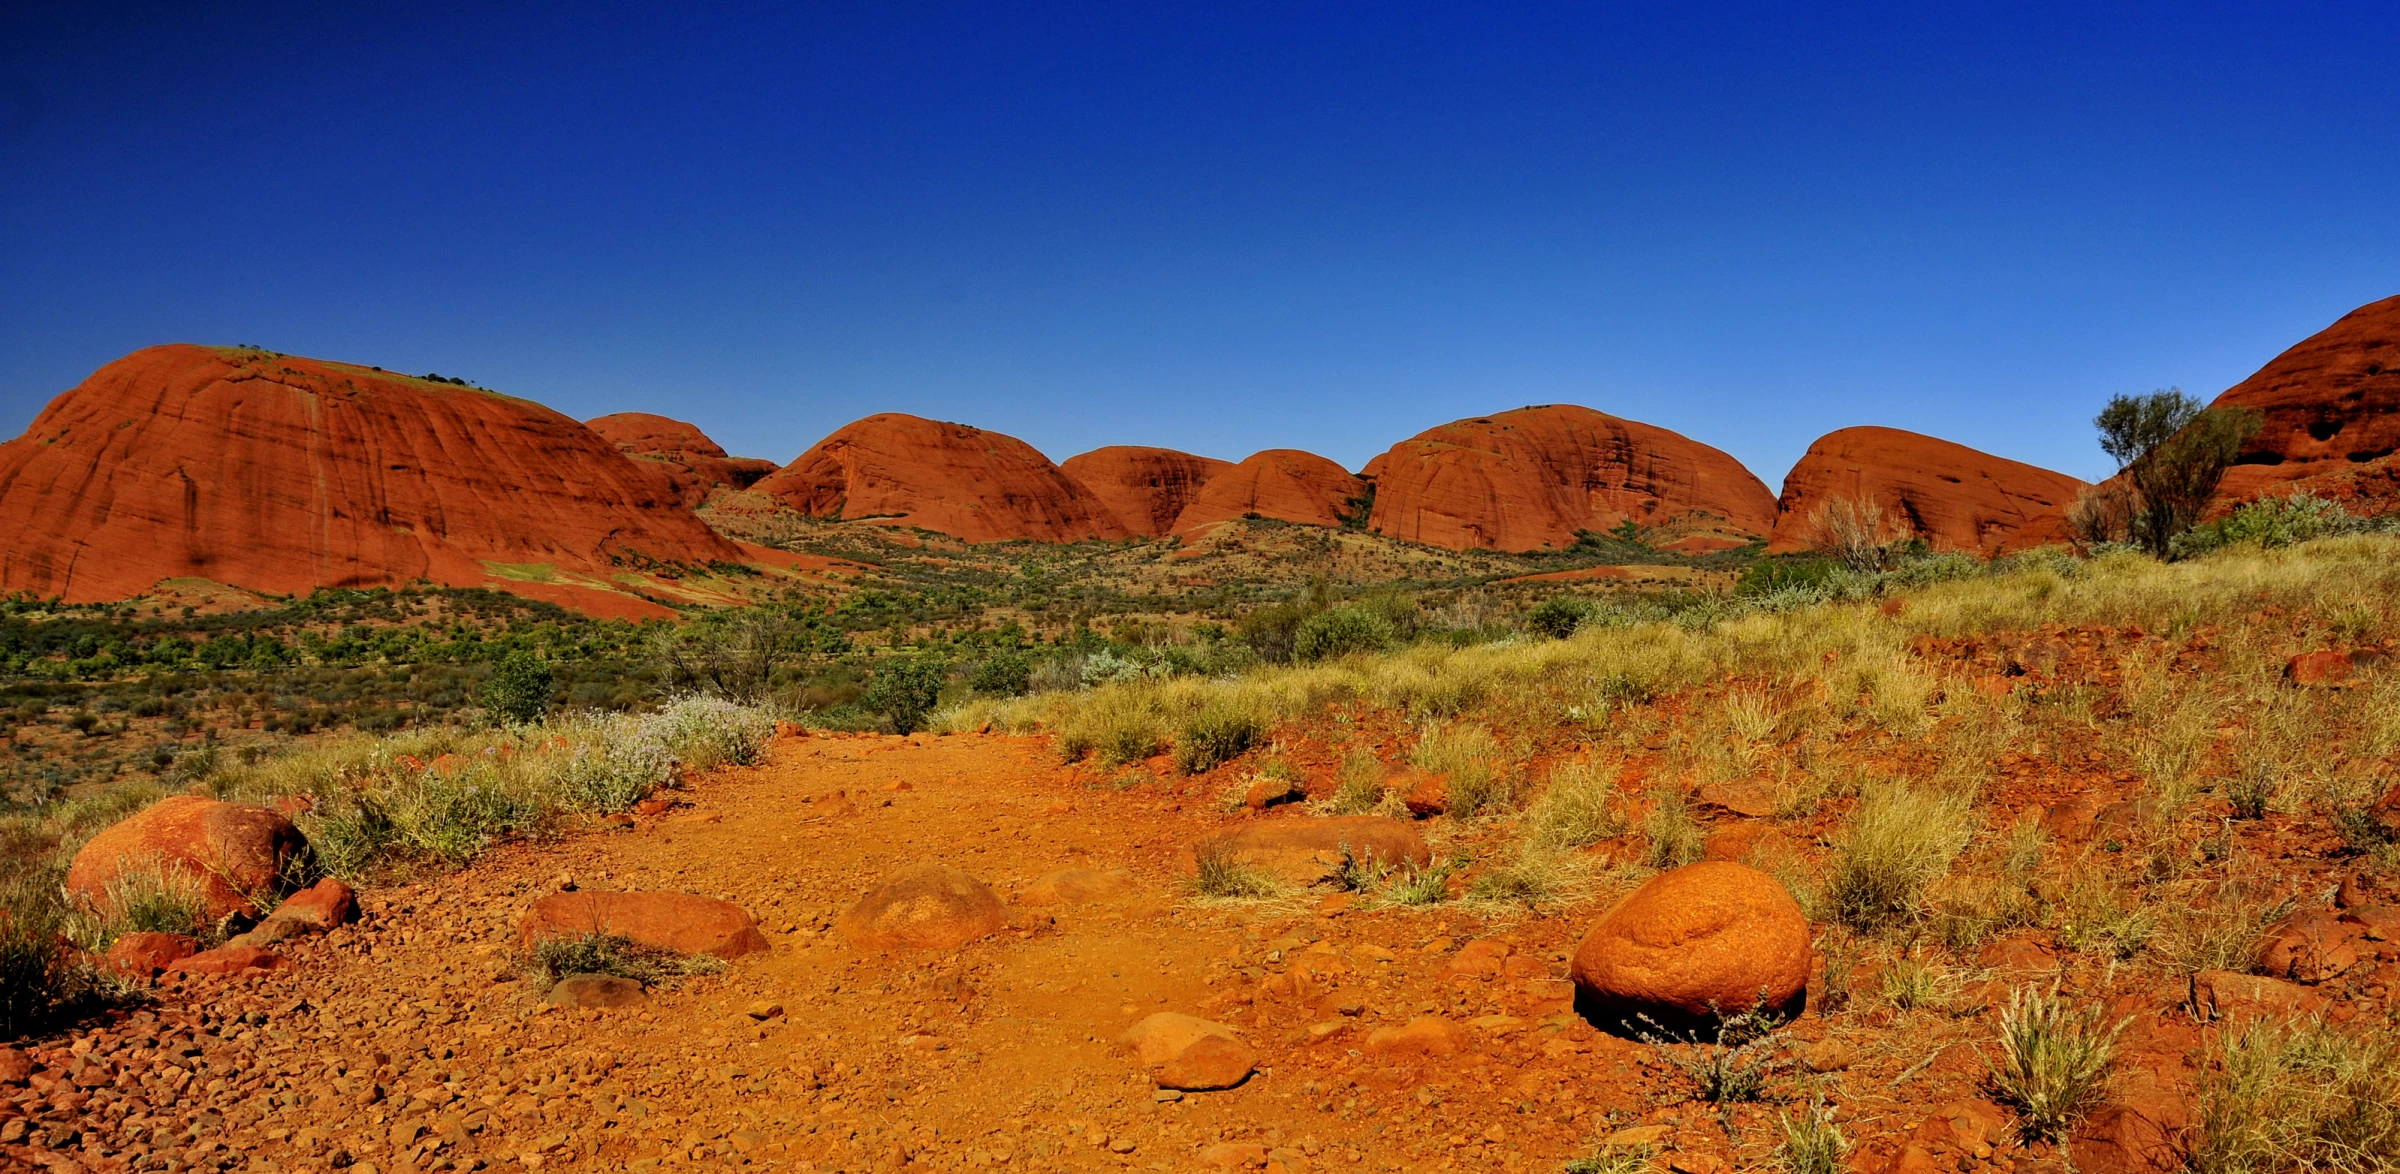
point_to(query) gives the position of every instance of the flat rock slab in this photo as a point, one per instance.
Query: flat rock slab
(683, 922)
(599, 991)
(1078, 886)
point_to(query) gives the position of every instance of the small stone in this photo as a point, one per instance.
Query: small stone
(1267, 791)
(1188, 1052)
(2317, 669)
(1829, 1055)
(763, 1010)
(1424, 793)
(228, 959)
(598, 991)
(1233, 1155)
(1425, 1035)
(1166, 1095)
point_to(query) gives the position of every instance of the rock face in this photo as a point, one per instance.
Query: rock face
(1281, 483)
(1701, 941)
(1533, 477)
(1188, 1052)
(224, 851)
(1306, 851)
(951, 478)
(283, 474)
(686, 455)
(2331, 408)
(1952, 496)
(683, 922)
(929, 907)
(1146, 488)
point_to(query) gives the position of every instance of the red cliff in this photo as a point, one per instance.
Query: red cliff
(1144, 487)
(1533, 477)
(951, 478)
(684, 453)
(1952, 496)
(282, 474)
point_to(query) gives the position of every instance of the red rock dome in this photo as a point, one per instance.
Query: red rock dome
(1952, 496)
(283, 474)
(950, 478)
(1281, 483)
(1533, 477)
(683, 452)
(1144, 487)
(2332, 415)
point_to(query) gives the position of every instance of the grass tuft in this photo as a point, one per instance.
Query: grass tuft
(2055, 1061)
(1900, 840)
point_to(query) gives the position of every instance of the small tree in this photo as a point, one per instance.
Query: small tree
(519, 689)
(906, 690)
(2175, 452)
(1005, 673)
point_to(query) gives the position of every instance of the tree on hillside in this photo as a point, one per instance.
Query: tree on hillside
(2175, 452)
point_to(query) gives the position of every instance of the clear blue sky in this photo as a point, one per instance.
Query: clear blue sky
(1217, 226)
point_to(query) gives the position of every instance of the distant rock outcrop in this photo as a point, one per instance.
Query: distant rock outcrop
(950, 478)
(2331, 408)
(1533, 477)
(1952, 496)
(1281, 483)
(282, 474)
(695, 463)
(1146, 488)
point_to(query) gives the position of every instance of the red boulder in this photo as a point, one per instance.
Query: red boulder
(224, 851)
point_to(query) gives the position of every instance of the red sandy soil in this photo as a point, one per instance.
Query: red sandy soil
(1144, 487)
(1952, 496)
(282, 474)
(1533, 477)
(951, 478)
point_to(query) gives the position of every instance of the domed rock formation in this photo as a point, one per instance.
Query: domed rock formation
(225, 852)
(1534, 477)
(1281, 483)
(950, 478)
(2331, 415)
(1690, 945)
(695, 463)
(283, 474)
(1952, 496)
(1144, 487)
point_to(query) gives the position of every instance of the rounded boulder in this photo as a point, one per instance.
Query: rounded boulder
(1188, 1052)
(929, 907)
(227, 852)
(683, 922)
(1691, 946)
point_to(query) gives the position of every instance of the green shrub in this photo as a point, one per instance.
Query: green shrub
(519, 689)
(1222, 731)
(1557, 617)
(1340, 632)
(906, 690)
(1006, 673)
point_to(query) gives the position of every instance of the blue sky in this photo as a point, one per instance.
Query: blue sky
(1219, 226)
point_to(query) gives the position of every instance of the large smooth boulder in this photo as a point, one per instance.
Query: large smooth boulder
(1952, 496)
(227, 852)
(928, 907)
(1690, 946)
(1309, 850)
(1190, 1053)
(683, 922)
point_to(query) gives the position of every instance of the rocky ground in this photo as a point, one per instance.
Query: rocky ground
(1428, 1038)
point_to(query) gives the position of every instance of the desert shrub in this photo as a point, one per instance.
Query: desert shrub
(1358, 789)
(1220, 875)
(2270, 522)
(1118, 723)
(1222, 731)
(731, 653)
(519, 689)
(552, 959)
(1340, 632)
(2174, 452)
(1854, 532)
(1676, 839)
(1557, 617)
(906, 689)
(2299, 1096)
(1472, 760)
(1426, 885)
(33, 962)
(1006, 673)
(2054, 1061)
(1578, 808)
(1533, 876)
(1899, 841)
(2216, 927)
(704, 732)
(1273, 631)
(1811, 1142)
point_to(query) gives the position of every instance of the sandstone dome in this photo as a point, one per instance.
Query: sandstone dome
(684, 453)
(283, 474)
(2331, 408)
(1282, 483)
(1146, 488)
(1952, 496)
(954, 479)
(1533, 477)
